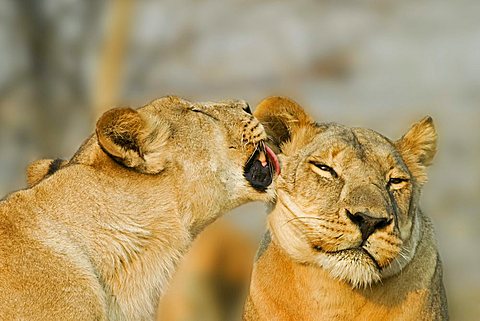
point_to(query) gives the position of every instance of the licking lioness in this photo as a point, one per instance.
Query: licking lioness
(346, 239)
(99, 238)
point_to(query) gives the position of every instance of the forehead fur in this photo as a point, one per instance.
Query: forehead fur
(335, 141)
(291, 129)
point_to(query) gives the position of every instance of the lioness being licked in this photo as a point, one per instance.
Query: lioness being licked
(99, 238)
(346, 238)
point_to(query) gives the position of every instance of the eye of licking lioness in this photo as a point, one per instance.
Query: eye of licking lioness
(99, 236)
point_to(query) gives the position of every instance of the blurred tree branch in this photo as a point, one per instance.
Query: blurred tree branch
(59, 93)
(112, 57)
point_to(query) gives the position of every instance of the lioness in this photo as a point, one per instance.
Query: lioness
(100, 237)
(346, 239)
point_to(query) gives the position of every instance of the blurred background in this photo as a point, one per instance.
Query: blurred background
(378, 64)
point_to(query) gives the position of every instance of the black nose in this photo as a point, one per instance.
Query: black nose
(247, 109)
(367, 223)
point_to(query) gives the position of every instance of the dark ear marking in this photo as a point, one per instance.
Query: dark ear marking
(127, 141)
(55, 166)
(40, 169)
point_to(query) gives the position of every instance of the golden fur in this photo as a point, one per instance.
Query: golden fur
(99, 238)
(211, 281)
(346, 238)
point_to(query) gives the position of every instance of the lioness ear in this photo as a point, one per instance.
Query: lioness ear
(282, 118)
(39, 169)
(418, 147)
(133, 139)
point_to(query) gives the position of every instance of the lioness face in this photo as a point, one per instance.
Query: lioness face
(219, 138)
(350, 195)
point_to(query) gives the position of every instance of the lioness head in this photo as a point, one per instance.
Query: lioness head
(213, 149)
(348, 197)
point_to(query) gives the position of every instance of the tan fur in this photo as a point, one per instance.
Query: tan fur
(100, 238)
(42, 168)
(314, 263)
(211, 280)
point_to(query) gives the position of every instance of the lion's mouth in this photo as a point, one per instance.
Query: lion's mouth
(357, 252)
(261, 166)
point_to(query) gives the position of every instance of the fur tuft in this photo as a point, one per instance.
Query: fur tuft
(418, 147)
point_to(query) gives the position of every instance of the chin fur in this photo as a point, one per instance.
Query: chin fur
(357, 271)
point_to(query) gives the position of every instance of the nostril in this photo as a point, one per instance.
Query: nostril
(357, 219)
(382, 223)
(247, 109)
(367, 223)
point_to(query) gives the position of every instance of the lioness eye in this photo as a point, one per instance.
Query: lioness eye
(325, 168)
(396, 180)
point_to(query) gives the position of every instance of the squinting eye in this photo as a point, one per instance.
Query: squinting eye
(325, 168)
(396, 180)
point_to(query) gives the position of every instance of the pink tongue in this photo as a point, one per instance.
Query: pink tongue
(271, 155)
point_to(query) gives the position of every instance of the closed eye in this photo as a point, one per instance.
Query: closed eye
(397, 180)
(396, 183)
(196, 110)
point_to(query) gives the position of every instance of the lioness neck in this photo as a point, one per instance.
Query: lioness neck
(132, 241)
(282, 289)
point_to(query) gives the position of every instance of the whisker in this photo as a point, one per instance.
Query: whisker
(304, 217)
(403, 255)
(330, 226)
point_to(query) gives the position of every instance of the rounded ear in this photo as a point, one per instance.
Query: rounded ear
(282, 118)
(418, 147)
(39, 169)
(133, 139)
